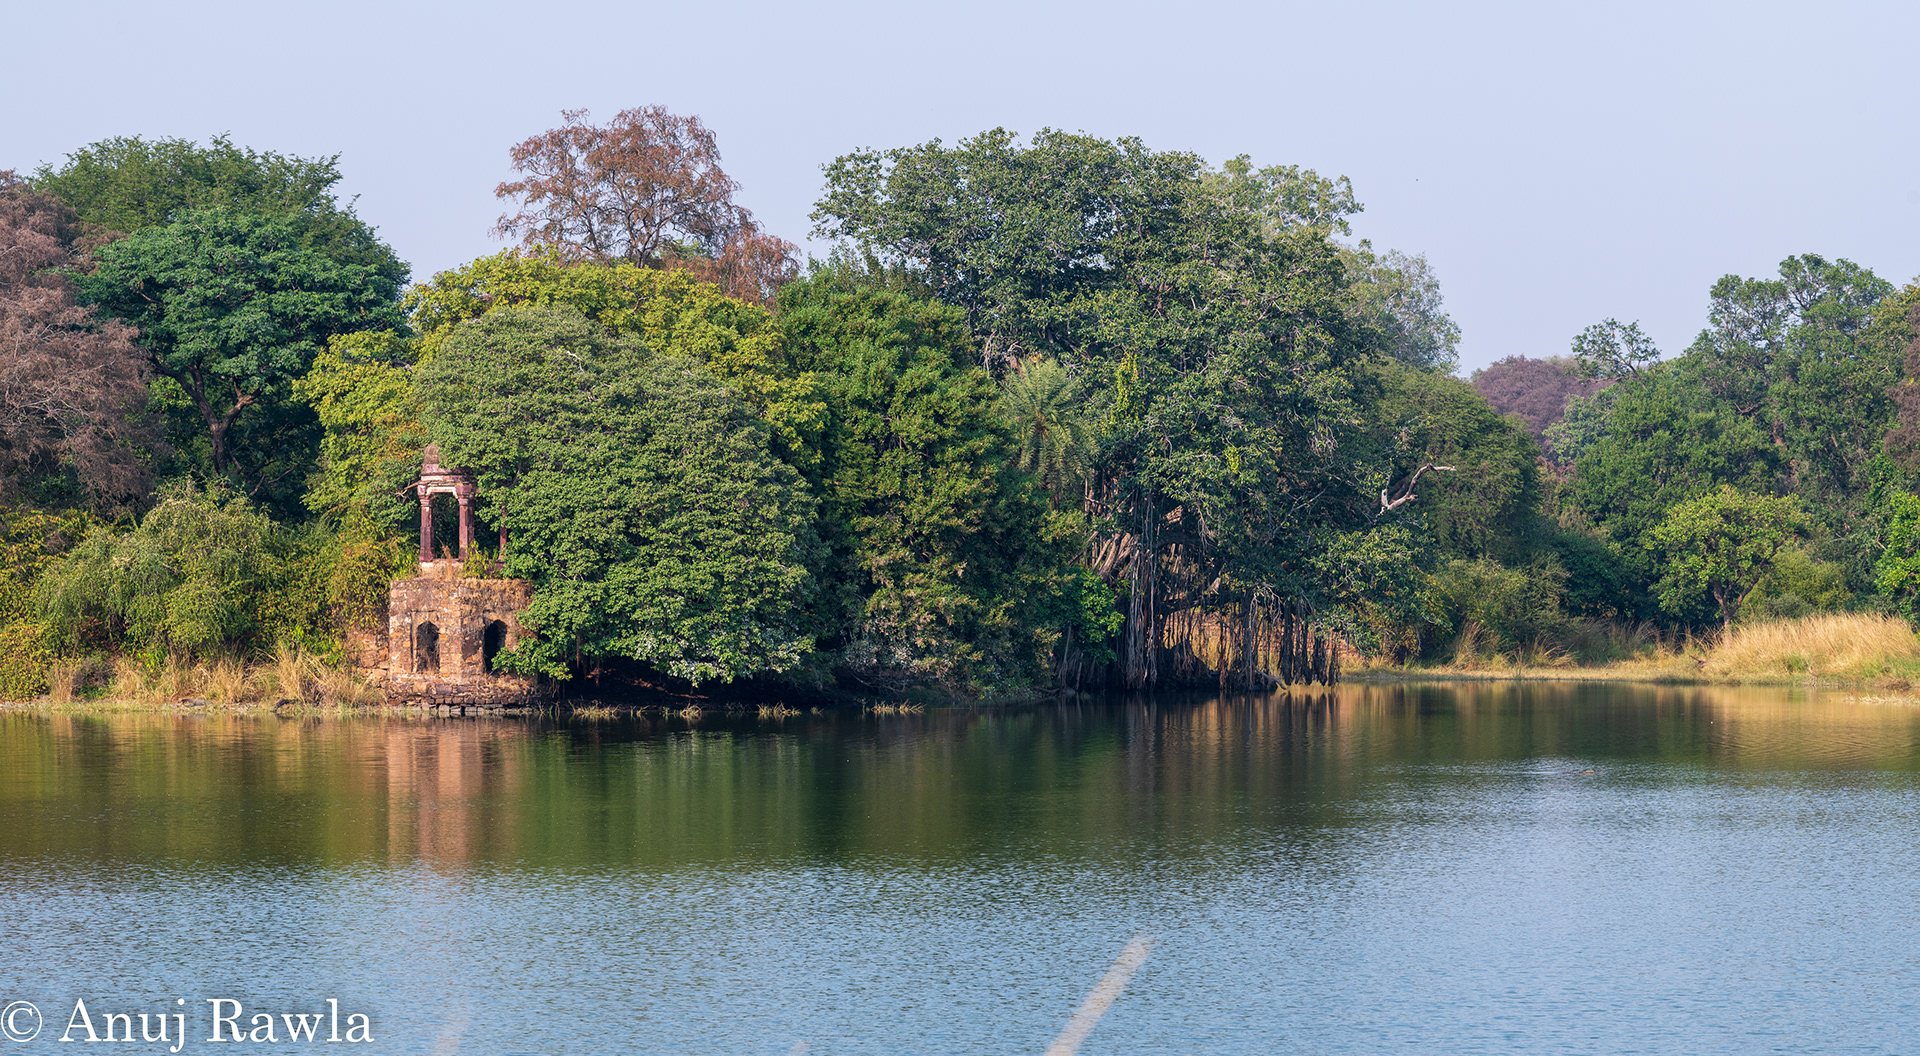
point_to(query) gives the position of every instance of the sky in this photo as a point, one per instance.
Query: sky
(1558, 164)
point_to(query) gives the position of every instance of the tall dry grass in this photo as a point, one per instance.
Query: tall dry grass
(291, 673)
(299, 675)
(1840, 645)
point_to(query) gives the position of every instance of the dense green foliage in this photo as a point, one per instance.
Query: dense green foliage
(1063, 409)
(1213, 325)
(940, 560)
(204, 572)
(30, 543)
(232, 308)
(1898, 577)
(119, 186)
(1717, 547)
(1488, 503)
(643, 502)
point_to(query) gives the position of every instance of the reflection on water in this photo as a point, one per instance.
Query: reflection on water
(1472, 867)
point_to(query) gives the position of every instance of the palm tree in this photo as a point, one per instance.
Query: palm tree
(1042, 401)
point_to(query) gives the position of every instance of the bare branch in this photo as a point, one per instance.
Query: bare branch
(1406, 496)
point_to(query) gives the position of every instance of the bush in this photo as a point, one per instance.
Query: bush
(1487, 606)
(1797, 585)
(23, 661)
(193, 578)
(1897, 578)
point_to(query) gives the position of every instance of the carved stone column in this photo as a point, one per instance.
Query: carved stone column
(426, 525)
(466, 523)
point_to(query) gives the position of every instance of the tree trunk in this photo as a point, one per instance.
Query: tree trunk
(1142, 625)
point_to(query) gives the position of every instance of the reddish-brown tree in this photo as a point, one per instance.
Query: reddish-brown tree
(646, 188)
(1534, 389)
(73, 387)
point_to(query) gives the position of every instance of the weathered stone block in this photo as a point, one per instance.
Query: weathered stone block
(443, 632)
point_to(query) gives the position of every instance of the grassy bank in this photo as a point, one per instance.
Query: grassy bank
(1836, 648)
(290, 678)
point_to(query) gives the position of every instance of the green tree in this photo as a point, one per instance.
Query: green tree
(1898, 573)
(1718, 546)
(1665, 443)
(231, 309)
(1582, 424)
(1792, 355)
(1611, 349)
(1053, 435)
(942, 568)
(1488, 505)
(669, 312)
(1285, 197)
(1786, 389)
(121, 185)
(642, 497)
(1007, 232)
(1397, 296)
(361, 388)
(1222, 353)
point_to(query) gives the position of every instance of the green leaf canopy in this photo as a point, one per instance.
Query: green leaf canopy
(643, 500)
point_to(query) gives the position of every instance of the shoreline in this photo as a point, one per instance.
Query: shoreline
(601, 710)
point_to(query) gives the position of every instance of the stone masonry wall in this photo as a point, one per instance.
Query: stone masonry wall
(437, 640)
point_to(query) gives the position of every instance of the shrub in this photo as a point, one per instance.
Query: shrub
(1897, 578)
(23, 661)
(1797, 585)
(1497, 608)
(192, 578)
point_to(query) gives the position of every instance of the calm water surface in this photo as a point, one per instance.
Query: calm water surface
(1436, 869)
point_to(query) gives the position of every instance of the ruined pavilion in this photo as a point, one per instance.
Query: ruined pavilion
(445, 626)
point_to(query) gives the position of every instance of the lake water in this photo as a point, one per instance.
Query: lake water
(1540, 868)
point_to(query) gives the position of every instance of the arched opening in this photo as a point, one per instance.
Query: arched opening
(426, 649)
(492, 640)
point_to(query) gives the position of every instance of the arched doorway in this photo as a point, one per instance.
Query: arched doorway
(492, 640)
(426, 649)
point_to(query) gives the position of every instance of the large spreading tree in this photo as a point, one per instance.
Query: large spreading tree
(1219, 341)
(232, 308)
(644, 501)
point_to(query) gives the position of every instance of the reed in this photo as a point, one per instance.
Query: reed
(340, 687)
(231, 681)
(1836, 645)
(130, 683)
(1467, 647)
(64, 680)
(292, 671)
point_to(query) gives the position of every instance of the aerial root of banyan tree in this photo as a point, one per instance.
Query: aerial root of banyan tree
(1258, 644)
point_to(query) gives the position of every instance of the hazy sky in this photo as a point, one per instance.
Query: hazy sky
(1558, 164)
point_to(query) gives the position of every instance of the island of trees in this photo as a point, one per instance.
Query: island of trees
(1055, 411)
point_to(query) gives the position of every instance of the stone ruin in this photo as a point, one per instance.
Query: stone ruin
(444, 627)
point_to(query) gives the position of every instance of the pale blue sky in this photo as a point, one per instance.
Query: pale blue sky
(1557, 163)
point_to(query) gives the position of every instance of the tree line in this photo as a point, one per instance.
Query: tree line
(1056, 410)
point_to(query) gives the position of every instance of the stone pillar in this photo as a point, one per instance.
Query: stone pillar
(426, 525)
(466, 523)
